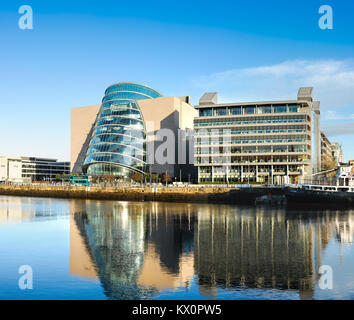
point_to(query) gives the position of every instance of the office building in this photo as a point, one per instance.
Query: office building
(327, 160)
(122, 136)
(10, 169)
(337, 152)
(266, 142)
(30, 169)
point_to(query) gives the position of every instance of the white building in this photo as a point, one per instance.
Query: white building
(345, 175)
(10, 169)
(28, 169)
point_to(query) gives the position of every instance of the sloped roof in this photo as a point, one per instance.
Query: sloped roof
(209, 98)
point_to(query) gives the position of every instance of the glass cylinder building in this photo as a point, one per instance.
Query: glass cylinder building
(117, 146)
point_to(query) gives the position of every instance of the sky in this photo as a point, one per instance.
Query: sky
(245, 50)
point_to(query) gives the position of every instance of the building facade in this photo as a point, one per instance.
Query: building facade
(337, 152)
(327, 160)
(266, 142)
(30, 169)
(10, 169)
(345, 175)
(271, 142)
(117, 146)
(128, 133)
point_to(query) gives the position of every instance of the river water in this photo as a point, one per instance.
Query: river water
(85, 249)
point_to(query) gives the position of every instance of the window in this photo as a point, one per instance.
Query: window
(265, 109)
(206, 112)
(250, 110)
(236, 110)
(280, 109)
(220, 111)
(294, 108)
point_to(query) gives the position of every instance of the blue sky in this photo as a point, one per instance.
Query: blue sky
(254, 50)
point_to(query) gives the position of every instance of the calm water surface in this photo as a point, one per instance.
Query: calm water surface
(82, 249)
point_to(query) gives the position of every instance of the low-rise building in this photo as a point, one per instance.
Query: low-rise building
(10, 169)
(29, 169)
(345, 175)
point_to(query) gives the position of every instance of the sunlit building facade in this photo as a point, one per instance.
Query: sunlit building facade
(125, 137)
(327, 160)
(117, 146)
(337, 152)
(30, 169)
(266, 142)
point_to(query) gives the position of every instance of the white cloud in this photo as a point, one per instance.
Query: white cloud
(333, 129)
(333, 82)
(333, 115)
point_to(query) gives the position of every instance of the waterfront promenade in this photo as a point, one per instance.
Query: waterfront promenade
(191, 194)
(232, 194)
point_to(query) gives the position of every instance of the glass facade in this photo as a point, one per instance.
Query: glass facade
(37, 169)
(249, 120)
(117, 146)
(248, 110)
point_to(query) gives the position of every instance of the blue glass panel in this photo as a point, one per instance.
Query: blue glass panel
(118, 142)
(236, 110)
(250, 110)
(220, 111)
(206, 112)
(280, 109)
(133, 87)
(265, 109)
(294, 108)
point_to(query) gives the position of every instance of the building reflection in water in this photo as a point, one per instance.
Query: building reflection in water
(15, 210)
(141, 248)
(137, 249)
(169, 259)
(114, 236)
(254, 248)
(81, 262)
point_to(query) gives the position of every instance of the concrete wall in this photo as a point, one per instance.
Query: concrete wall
(3, 168)
(169, 113)
(159, 110)
(162, 113)
(82, 122)
(11, 169)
